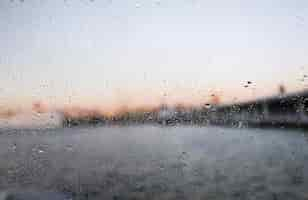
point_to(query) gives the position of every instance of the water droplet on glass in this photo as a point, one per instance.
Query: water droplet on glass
(69, 148)
(137, 5)
(13, 147)
(161, 167)
(39, 149)
(240, 124)
(208, 106)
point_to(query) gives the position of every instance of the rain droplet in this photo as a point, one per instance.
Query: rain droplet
(183, 156)
(13, 147)
(137, 5)
(208, 106)
(39, 149)
(240, 124)
(69, 148)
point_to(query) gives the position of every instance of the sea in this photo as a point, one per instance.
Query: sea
(153, 162)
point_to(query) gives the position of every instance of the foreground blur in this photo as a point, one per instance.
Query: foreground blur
(151, 162)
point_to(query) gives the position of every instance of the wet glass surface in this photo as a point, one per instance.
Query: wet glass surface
(153, 99)
(153, 162)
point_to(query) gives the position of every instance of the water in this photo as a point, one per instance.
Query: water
(152, 162)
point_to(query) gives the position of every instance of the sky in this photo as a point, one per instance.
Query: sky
(114, 53)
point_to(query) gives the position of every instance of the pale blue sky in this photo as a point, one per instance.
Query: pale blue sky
(116, 50)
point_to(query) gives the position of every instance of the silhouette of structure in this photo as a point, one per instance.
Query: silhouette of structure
(283, 110)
